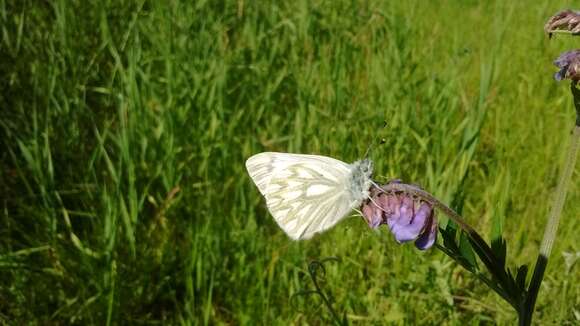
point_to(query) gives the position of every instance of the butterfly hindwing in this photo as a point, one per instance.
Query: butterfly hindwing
(306, 194)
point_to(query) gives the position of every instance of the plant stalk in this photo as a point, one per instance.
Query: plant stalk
(527, 309)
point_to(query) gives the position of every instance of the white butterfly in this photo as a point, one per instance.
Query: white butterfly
(308, 194)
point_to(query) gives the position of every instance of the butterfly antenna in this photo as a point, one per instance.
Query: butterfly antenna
(368, 150)
(377, 139)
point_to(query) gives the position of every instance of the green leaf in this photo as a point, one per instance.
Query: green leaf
(499, 249)
(490, 262)
(494, 266)
(459, 195)
(449, 234)
(467, 251)
(521, 277)
(496, 228)
(498, 244)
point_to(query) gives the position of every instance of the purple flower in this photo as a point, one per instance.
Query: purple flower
(408, 218)
(566, 20)
(569, 64)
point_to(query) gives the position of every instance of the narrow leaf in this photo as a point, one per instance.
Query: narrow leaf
(467, 251)
(449, 234)
(499, 249)
(521, 277)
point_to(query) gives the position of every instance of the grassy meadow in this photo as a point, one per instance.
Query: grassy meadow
(125, 125)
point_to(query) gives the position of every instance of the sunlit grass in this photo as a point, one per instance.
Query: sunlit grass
(125, 127)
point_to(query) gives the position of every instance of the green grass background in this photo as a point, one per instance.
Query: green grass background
(125, 126)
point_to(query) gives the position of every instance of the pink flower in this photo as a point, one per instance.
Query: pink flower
(409, 219)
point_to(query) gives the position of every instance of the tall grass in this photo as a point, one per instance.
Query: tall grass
(125, 126)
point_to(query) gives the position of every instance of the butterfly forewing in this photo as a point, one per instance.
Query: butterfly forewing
(306, 194)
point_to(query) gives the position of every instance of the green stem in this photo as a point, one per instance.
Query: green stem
(555, 213)
(527, 309)
(312, 267)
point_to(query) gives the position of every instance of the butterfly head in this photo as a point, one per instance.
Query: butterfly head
(361, 178)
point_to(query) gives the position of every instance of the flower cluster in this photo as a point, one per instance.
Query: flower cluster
(408, 218)
(566, 20)
(569, 64)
